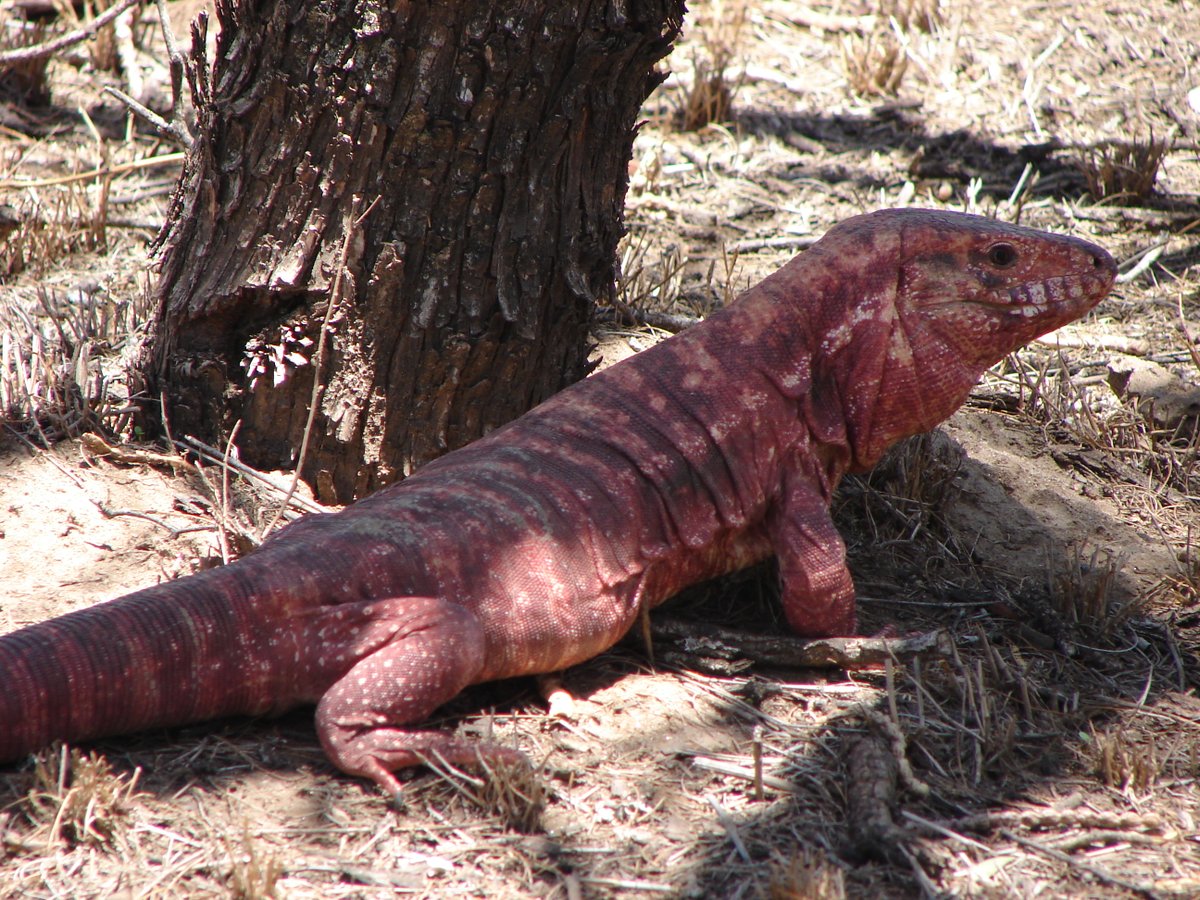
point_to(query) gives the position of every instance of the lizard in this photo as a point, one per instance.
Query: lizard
(535, 547)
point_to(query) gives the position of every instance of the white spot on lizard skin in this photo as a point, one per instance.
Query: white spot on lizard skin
(836, 339)
(792, 379)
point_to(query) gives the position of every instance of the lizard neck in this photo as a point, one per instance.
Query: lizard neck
(765, 370)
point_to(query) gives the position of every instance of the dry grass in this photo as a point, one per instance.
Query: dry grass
(1082, 592)
(875, 63)
(53, 225)
(57, 368)
(1121, 172)
(25, 83)
(1122, 761)
(253, 875)
(915, 480)
(512, 792)
(1091, 412)
(806, 875)
(650, 274)
(716, 48)
(64, 343)
(969, 714)
(78, 799)
(103, 51)
(1151, 469)
(876, 60)
(915, 15)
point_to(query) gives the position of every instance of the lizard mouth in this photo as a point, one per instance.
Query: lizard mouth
(1037, 298)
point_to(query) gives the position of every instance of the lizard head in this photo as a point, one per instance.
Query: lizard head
(984, 288)
(944, 296)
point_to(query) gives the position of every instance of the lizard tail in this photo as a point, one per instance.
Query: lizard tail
(174, 653)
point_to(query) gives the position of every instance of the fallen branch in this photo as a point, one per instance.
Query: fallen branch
(213, 455)
(785, 242)
(1097, 872)
(1149, 257)
(664, 321)
(872, 780)
(135, 514)
(1046, 819)
(97, 447)
(1119, 342)
(783, 650)
(49, 48)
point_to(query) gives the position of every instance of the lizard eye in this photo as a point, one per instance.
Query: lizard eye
(1002, 255)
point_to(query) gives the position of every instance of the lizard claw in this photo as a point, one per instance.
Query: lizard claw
(559, 702)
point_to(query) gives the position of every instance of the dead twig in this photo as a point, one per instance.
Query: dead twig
(127, 55)
(49, 48)
(178, 64)
(786, 242)
(98, 447)
(752, 774)
(165, 128)
(662, 320)
(806, 17)
(1095, 871)
(223, 516)
(176, 128)
(353, 223)
(136, 514)
(164, 159)
(213, 455)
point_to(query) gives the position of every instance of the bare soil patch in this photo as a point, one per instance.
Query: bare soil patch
(1049, 528)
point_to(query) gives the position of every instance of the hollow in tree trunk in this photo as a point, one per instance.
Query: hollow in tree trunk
(488, 144)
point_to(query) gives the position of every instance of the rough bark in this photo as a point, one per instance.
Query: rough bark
(493, 140)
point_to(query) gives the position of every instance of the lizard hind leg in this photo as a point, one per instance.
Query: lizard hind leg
(427, 651)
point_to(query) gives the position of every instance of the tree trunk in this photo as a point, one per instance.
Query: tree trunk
(490, 142)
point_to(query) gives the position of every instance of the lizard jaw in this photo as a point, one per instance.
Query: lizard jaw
(1069, 294)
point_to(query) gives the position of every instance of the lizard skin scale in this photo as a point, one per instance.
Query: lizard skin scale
(533, 548)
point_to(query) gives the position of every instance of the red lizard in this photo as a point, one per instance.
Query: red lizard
(534, 548)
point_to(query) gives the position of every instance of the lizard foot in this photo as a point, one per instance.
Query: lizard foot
(413, 654)
(509, 788)
(377, 753)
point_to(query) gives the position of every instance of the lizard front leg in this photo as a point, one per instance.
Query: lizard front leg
(408, 656)
(815, 584)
